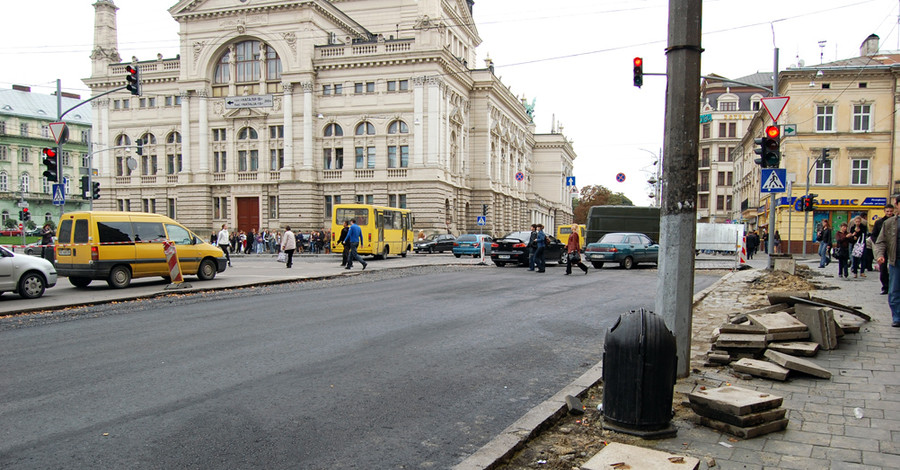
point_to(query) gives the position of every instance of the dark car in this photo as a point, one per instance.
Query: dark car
(513, 248)
(437, 243)
(627, 249)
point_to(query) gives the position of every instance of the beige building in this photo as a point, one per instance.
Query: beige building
(274, 111)
(846, 107)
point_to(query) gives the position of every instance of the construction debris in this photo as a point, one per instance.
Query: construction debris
(739, 411)
(798, 364)
(624, 456)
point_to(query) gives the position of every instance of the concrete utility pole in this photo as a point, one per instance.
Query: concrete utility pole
(678, 209)
(772, 199)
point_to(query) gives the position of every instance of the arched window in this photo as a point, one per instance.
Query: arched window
(223, 69)
(123, 139)
(47, 217)
(398, 127)
(334, 130)
(25, 182)
(273, 64)
(247, 133)
(148, 139)
(365, 128)
(173, 138)
(246, 55)
(4, 181)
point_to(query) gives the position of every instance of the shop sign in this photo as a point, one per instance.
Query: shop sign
(839, 203)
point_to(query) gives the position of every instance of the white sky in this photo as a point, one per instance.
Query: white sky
(574, 56)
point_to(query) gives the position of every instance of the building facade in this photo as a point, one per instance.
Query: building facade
(846, 107)
(24, 133)
(275, 111)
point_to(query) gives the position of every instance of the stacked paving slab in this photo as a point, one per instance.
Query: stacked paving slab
(739, 411)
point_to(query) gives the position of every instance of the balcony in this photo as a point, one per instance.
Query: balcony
(332, 174)
(123, 180)
(704, 163)
(246, 176)
(218, 177)
(396, 173)
(703, 187)
(364, 174)
(366, 49)
(171, 179)
(274, 175)
(151, 179)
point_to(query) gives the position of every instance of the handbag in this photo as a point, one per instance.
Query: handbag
(574, 257)
(858, 248)
(282, 257)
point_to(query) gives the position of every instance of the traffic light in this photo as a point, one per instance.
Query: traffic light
(825, 154)
(638, 72)
(95, 190)
(140, 146)
(85, 187)
(810, 203)
(801, 203)
(50, 160)
(26, 215)
(484, 208)
(133, 79)
(768, 148)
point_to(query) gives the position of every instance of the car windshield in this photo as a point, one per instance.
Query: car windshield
(613, 238)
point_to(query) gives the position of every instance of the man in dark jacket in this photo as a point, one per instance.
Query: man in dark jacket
(824, 237)
(876, 230)
(340, 241)
(532, 247)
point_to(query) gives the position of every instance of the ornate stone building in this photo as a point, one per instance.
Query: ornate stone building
(274, 111)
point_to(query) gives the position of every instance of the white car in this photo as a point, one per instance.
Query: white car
(28, 276)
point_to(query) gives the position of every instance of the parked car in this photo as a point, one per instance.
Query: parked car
(28, 276)
(10, 232)
(437, 243)
(627, 249)
(471, 245)
(34, 249)
(513, 248)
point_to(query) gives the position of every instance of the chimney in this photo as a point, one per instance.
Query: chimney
(869, 46)
(26, 89)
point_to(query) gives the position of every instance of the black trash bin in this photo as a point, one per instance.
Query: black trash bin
(639, 368)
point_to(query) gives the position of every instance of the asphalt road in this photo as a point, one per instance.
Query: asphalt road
(413, 368)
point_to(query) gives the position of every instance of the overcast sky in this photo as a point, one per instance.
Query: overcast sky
(573, 56)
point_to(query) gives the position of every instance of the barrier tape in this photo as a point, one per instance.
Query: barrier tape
(66, 245)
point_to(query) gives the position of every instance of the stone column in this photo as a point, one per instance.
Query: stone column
(105, 158)
(288, 109)
(434, 120)
(203, 132)
(418, 121)
(186, 131)
(308, 119)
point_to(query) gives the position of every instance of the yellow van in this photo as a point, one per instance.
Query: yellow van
(119, 246)
(563, 231)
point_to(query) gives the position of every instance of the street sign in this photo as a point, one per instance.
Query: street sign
(251, 101)
(773, 180)
(22, 204)
(775, 105)
(789, 129)
(520, 176)
(570, 181)
(620, 177)
(482, 220)
(59, 194)
(59, 131)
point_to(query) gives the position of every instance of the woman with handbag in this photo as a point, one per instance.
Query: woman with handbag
(573, 250)
(843, 243)
(860, 233)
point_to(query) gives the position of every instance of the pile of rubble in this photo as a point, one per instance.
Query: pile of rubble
(739, 411)
(767, 342)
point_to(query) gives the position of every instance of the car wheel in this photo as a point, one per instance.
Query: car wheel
(119, 277)
(80, 281)
(31, 285)
(499, 264)
(29, 251)
(207, 270)
(457, 255)
(628, 262)
(563, 257)
(597, 264)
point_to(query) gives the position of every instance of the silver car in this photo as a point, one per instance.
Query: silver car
(25, 275)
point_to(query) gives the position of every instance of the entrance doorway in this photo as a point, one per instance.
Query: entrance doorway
(247, 213)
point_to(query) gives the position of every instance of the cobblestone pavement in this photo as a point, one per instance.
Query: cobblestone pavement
(851, 421)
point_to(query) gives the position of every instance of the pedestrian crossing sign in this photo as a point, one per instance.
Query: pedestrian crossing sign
(482, 220)
(773, 180)
(59, 195)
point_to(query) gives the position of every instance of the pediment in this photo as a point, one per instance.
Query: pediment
(244, 113)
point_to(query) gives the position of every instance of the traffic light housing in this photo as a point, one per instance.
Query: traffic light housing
(95, 190)
(484, 209)
(133, 80)
(51, 162)
(140, 146)
(768, 148)
(810, 203)
(85, 187)
(25, 215)
(638, 71)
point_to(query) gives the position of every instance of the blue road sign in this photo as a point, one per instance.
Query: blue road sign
(774, 180)
(59, 194)
(482, 220)
(570, 181)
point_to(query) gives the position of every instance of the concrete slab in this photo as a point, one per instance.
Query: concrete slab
(745, 432)
(623, 456)
(743, 328)
(797, 364)
(777, 322)
(752, 419)
(821, 324)
(736, 401)
(737, 340)
(787, 335)
(763, 369)
(796, 348)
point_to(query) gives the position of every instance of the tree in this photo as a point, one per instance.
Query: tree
(596, 195)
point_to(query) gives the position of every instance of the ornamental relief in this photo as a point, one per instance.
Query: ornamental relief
(242, 21)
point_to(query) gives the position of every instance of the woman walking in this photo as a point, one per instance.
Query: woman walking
(860, 233)
(573, 250)
(842, 243)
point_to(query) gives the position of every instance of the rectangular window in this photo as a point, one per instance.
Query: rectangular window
(403, 85)
(392, 156)
(242, 160)
(706, 131)
(859, 171)
(327, 163)
(338, 89)
(173, 164)
(85, 160)
(720, 178)
(117, 105)
(169, 101)
(370, 199)
(146, 205)
(392, 200)
(732, 129)
(273, 207)
(276, 159)
(392, 86)
(728, 203)
(862, 117)
(85, 136)
(703, 201)
(177, 100)
(219, 160)
(358, 87)
(23, 129)
(360, 155)
(219, 135)
(151, 102)
(4, 153)
(370, 87)
(730, 154)
(824, 118)
(276, 132)
(404, 156)
(370, 157)
(326, 90)
(402, 203)
(360, 199)
(142, 102)
(338, 159)
(2, 127)
(126, 104)
(45, 132)
(823, 172)
(723, 154)
(720, 202)
(23, 155)
(171, 208)
(723, 130)
(66, 158)
(730, 181)
(328, 206)
(728, 106)
(254, 160)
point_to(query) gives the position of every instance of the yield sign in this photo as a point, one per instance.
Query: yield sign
(775, 105)
(58, 129)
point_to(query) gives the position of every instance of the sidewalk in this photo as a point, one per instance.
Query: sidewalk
(851, 421)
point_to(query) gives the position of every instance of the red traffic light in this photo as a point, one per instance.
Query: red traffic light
(638, 62)
(773, 132)
(49, 152)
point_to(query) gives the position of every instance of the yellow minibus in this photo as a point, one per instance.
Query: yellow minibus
(385, 230)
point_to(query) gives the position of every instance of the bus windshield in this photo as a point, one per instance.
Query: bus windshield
(361, 215)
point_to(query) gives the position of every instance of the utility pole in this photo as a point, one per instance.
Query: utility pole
(678, 208)
(771, 241)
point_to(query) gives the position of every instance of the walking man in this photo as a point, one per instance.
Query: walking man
(353, 239)
(540, 242)
(876, 230)
(223, 240)
(532, 247)
(346, 250)
(886, 253)
(824, 239)
(288, 245)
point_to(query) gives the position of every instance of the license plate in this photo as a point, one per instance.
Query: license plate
(64, 251)
(503, 256)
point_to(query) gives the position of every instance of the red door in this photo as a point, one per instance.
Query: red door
(248, 214)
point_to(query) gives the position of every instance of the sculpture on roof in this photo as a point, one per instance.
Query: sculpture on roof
(529, 108)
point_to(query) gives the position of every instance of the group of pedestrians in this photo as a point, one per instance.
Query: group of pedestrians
(350, 238)
(885, 253)
(851, 245)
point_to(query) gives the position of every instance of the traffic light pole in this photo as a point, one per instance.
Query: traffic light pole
(771, 239)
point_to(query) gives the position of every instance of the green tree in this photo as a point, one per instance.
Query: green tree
(596, 195)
